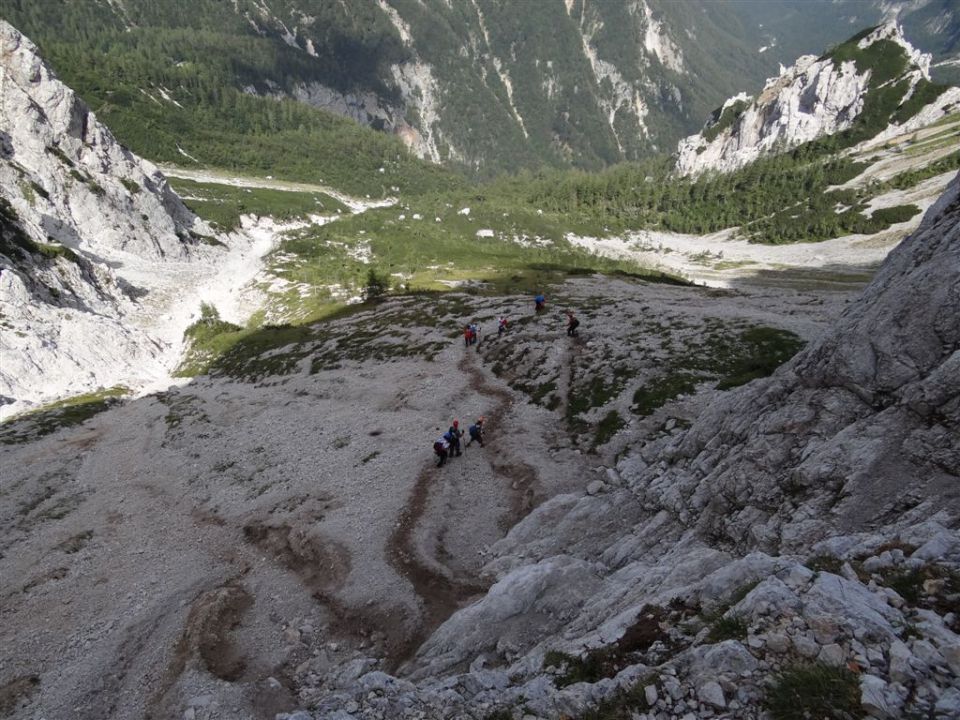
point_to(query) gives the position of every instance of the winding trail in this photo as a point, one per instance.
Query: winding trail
(522, 475)
(439, 590)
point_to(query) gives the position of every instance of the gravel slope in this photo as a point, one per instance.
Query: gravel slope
(207, 549)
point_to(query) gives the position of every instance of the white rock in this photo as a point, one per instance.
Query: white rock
(951, 655)
(777, 642)
(595, 487)
(812, 98)
(873, 696)
(948, 706)
(805, 645)
(941, 546)
(824, 627)
(900, 656)
(712, 694)
(832, 655)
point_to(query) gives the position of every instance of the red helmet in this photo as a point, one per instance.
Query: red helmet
(456, 423)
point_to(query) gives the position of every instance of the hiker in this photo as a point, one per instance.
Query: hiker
(440, 449)
(539, 302)
(501, 325)
(476, 432)
(467, 334)
(453, 437)
(474, 330)
(572, 324)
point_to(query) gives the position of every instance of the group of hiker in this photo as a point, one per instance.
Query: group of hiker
(540, 304)
(449, 444)
(471, 331)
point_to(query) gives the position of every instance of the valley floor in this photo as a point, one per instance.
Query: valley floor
(217, 550)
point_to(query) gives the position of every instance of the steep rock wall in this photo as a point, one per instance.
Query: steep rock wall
(813, 98)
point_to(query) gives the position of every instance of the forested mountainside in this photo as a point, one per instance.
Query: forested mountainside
(174, 87)
(483, 85)
(476, 84)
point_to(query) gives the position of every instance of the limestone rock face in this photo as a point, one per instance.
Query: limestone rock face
(813, 98)
(83, 225)
(65, 175)
(860, 429)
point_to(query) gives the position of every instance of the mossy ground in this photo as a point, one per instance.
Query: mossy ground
(807, 691)
(64, 413)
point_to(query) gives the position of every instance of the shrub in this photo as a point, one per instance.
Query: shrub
(815, 691)
(731, 628)
(377, 286)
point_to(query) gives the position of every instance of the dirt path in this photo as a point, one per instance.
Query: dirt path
(219, 177)
(523, 476)
(440, 591)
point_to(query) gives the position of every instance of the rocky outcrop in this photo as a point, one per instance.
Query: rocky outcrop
(860, 429)
(813, 98)
(68, 179)
(78, 211)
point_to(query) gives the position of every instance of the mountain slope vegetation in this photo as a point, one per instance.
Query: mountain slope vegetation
(172, 89)
(478, 84)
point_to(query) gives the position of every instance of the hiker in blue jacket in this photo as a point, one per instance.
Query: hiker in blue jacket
(476, 432)
(453, 436)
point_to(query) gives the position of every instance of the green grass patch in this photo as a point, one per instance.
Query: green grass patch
(815, 691)
(609, 426)
(825, 563)
(911, 178)
(607, 661)
(132, 186)
(623, 705)
(726, 117)
(16, 245)
(761, 350)
(223, 205)
(663, 389)
(912, 585)
(61, 414)
(209, 338)
(884, 59)
(727, 628)
(407, 245)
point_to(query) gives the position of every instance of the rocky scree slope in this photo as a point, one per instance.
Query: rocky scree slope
(877, 83)
(76, 208)
(804, 526)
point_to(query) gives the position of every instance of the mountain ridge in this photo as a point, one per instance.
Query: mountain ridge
(860, 86)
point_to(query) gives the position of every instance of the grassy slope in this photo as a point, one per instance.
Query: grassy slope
(224, 204)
